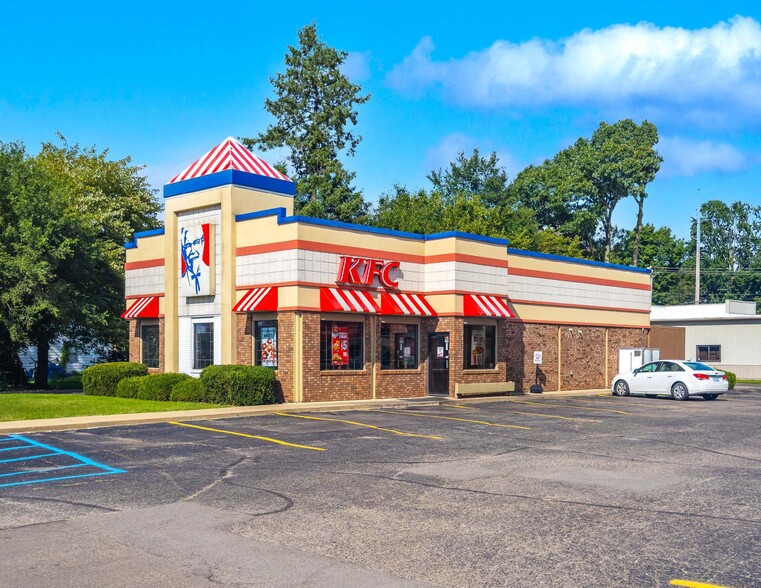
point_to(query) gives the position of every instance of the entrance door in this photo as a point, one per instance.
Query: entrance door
(438, 363)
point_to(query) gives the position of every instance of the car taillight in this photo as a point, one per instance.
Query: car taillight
(702, 376)
(724, 377)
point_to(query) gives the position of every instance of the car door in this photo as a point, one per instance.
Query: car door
(664, 378)
(642, 380)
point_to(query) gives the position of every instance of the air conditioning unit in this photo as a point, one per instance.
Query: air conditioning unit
(630, 358)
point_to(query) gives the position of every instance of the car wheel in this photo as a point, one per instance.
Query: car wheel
(621, 388)
(710, 396)
(651, 395)
(679, 391)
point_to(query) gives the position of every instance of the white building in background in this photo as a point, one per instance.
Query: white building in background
(727, 336)
(78, 360)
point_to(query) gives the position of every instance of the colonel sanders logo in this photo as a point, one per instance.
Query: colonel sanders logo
(195, 266)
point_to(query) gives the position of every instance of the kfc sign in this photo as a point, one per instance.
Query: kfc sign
(362, 270)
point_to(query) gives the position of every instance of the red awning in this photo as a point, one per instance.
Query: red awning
(258, 300)
(143, 308)
(338, 299)
(409, 304)
(482, 305)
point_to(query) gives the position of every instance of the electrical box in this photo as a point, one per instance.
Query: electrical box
(631, 358)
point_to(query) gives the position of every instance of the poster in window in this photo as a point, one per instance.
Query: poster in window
(340, 346)
(477, 348)
(269, 346)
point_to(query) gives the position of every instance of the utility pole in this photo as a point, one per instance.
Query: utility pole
(697, 254)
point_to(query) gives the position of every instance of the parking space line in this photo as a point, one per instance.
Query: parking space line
(432, 416)
(568, 406)
(21, 472)
(43, 480)
(16, 447)
(691, 584)
(539, 414)
(356, 424)
(259, 437)
(26, 458)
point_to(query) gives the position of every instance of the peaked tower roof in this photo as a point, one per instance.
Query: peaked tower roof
(228, 155)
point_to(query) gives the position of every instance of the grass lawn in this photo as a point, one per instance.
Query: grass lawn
(21, 407)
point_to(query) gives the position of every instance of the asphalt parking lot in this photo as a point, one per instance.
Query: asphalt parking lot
(522, 492)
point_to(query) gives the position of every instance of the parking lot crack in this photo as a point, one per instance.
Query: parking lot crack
(224, 473)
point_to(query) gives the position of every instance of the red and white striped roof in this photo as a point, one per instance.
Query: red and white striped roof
(258, 300)
(143, 308)
(229, 154)
(482, 305)
(341, 300)
(408, 304)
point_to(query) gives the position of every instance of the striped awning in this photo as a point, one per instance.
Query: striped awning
(482, 305)
(229, 154)
(409, 304)
(258, 300)
(338, 299)
(143, 308)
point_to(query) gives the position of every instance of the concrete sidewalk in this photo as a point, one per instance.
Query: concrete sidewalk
(115, 420)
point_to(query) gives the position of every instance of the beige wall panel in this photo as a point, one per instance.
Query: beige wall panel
(245, 199)
(264, 230)
(740, 344)
(148, 248)
(576, 293)
(466, 247)
(577, 269)
(194, 200)
(573, 316)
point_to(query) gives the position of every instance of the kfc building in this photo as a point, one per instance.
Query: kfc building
(344, 311)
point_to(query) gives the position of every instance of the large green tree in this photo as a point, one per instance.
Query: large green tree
(315, 110)
(66, 214)
(472, 175)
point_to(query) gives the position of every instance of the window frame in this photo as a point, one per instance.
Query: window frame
(708, 349)
(467, 333)
(257, 352)
(194, 326)
(150, 324)
(354, 364)
(395, 362)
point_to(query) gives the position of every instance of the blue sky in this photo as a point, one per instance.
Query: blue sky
(164, 82)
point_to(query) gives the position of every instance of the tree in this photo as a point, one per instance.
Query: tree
(65, 217)
(314, 106)
(472, 175)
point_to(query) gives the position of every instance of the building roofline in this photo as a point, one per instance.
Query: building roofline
(553, 257)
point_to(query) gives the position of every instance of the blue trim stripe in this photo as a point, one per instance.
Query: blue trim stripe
(282, 219)
(230, 177)
(81, 458)
(152, 233)
(628, 268)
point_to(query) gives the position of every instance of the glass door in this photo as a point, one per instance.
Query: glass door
(438, 363)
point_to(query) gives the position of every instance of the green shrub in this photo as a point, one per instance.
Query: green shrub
(130, 387)
(101, 379)
(732, 379)
(188, 390)
(241, 385)
(159, 386)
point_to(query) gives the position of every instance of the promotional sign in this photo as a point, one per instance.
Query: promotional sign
(538, 357)
(477, 348)
(269, 346)
(363, 270)
(340, 346)
(196, 242)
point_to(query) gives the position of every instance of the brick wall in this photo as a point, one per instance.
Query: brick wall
(582, 358)
(135, 346)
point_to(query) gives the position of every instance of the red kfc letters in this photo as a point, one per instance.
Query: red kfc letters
(349, 271)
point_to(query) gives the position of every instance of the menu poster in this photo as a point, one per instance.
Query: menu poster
(340, 346)
(269, 346)
(477, 348)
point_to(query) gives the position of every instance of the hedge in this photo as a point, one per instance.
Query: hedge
(732, 379)
(240, 385)
(102, 379)
(188, 390)
(129, 387)
(159, 386)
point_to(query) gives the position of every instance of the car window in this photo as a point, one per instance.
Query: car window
(670, 366)
(698, 367)
(649, 367)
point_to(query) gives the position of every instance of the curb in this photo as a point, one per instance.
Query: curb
(144, 418)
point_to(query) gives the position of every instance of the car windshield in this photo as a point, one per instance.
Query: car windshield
(698, 367)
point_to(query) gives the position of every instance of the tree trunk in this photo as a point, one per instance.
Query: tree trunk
(608, 236)
(41, 377)
(637, 230)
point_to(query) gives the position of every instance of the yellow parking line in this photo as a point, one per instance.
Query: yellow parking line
(568, 406)
(432, 416)
(691, 584)
(549, 416)
(356, 424)
(268, 439)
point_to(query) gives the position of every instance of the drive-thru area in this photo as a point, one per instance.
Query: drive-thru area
(522, 491)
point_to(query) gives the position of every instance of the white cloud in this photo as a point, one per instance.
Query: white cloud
(446, 150)
(643, 64)
(356, 66)
(688, 157)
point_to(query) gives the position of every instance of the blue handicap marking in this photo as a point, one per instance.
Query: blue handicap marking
(28, 450)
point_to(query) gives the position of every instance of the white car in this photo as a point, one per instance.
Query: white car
(680, 379)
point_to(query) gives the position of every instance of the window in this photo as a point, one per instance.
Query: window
(650, 367)
(341, 346)
(149, 336)
(480, 347)
(398, 347)
(203, 345)
(265, 343)
(709, 353)
(670, 366)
